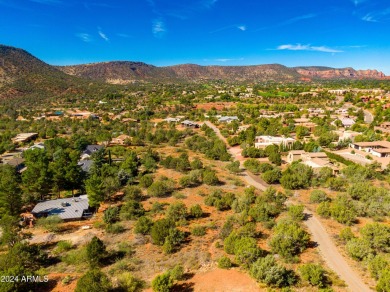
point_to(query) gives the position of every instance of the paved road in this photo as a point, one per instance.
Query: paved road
(327, 248)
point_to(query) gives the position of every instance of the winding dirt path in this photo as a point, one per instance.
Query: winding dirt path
(326, 246)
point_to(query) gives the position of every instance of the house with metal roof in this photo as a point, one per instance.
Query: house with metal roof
(75, 208)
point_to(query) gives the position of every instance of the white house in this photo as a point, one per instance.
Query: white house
(264, 141)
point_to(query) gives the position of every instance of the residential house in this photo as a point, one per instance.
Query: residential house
(264, 141)
(68, 209)
(190, 124)
(121, 140)
(17, 163)
(316, 160)
(24, 137)
(347, 134)
(172, 120)
(89, 150)
(85, 164)
(294, 155)
(228, 119)
(347, 122)
(376, 148)
(243, 128)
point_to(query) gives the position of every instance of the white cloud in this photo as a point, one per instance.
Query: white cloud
(242, 27)
(158, 28)
(103, 35)
(224, 60)
(299, 47)
(209, 3)
(369, 18)
(85, 37)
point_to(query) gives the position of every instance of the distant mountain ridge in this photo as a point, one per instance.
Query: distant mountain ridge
(23, 74)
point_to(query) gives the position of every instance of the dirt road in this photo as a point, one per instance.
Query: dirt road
(326, 246)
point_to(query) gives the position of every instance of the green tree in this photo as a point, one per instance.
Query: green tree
(37, 177)
(177, 212)
(143, 225)
(234, 167)
(10, 193)
(296, 212)
(196, 211)
(95, 191)
(111, 215)
(210, 177)
(162, 283)
(96, 251)
(93, 281)
(383, 284)
(266, 270)
(314, 274)
(289, 239)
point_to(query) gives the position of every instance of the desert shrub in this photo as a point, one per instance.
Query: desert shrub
(111, 215)
(63, 245)
(358, 249)
(314, 274)
(383, 284)
(224, 263)
(346, 234)
(248, 230)
(160, 230)
(253, 152)
(93, 281)
(253, 165)
(131, 210)
(377, 235)
(222, 201)
(115, 228)
(146, 181)
(318, 196)
(272, 176)
(196, 164)
(196, 211)
(297, 176)
(246, 251)
(176, 212)
(234, 167)
(377, 265)
(177, 273)
(226, 229)
(143, 225)
(157, 207)
(343, 211)
(275, 158)
(173, 240)
(210, 177)
(198, 230)
(75, 257)
(323, 209)
(296, 212)
(289, 239)
(96, 251)
(160, 188)
(162, 283)
(50, 223)
(126, 248)
(129, 283)
(267, 271)
(267, 206)
(133, 193)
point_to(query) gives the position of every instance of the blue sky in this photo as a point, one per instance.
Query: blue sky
(336, 33)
